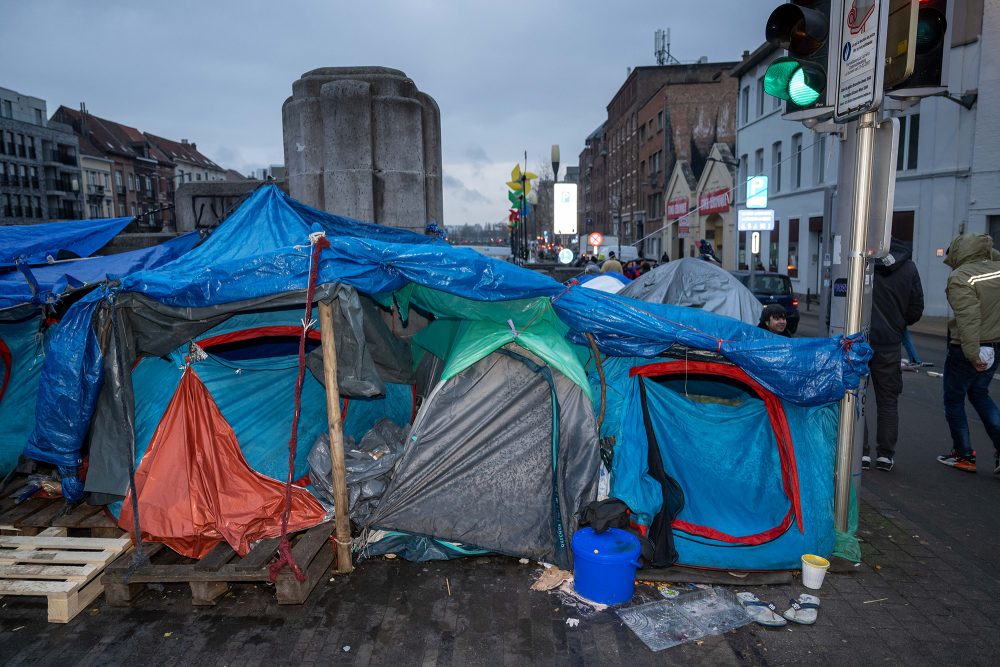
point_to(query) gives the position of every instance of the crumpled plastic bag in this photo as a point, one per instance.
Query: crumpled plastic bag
(368, 465)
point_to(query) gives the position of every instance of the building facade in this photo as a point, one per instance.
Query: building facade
(660, 115)
(40, 176)
(947, 164)
(97, 193)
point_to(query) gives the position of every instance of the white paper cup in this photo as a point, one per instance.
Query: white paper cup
(813, 571)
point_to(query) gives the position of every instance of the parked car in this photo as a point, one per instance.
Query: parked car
(773, 288)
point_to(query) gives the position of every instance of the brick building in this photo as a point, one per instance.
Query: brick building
(592, 199)
(141, 173)
(659, 115)
(39, 164)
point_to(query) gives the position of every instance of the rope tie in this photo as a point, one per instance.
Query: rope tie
(285, 555)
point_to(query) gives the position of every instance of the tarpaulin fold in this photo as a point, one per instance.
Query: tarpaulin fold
(195, 489)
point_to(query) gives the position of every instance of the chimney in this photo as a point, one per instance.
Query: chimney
(83, 119)
(194, 146)
(184, 142)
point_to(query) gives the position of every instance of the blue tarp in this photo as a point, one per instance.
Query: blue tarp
(53, 280)
(35, 244)
(23, 342)
(262, 249)
(723, 454)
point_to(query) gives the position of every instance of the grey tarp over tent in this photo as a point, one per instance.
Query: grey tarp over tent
(698, 284)
(501, 456)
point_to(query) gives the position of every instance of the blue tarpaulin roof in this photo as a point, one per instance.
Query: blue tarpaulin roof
(52, 280)
(34, 244)
(263, 249)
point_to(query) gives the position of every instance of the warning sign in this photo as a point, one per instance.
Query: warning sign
(858, 83)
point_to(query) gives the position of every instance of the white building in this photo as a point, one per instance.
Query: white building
(948, 163)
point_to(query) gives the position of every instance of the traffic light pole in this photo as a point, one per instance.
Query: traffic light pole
(863, 168)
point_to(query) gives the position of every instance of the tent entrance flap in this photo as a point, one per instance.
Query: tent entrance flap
(724, 438)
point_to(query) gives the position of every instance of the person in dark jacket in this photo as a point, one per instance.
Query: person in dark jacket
(897, 302)
(774, 319)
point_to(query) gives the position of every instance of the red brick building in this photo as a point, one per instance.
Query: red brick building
(660, 114)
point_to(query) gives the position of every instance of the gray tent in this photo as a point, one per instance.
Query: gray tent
(698, 284)
(501, 456)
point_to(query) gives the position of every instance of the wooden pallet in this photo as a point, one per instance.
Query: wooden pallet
(211, 576)
(66, 570)
(36, 514)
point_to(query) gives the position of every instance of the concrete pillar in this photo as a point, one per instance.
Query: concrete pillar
(365, 143)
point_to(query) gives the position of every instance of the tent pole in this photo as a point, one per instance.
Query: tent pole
(339, 473)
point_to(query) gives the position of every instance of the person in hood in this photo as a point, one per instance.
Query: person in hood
(973, 336)
(774, 319)
(897, 302)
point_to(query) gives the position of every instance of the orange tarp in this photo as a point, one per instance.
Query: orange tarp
(195, 488)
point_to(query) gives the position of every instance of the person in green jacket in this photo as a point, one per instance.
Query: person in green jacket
(974, 334)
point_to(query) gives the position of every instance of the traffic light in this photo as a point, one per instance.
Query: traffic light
(802, 28)
(929, 48)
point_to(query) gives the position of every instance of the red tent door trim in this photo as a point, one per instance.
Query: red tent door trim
(782, 435)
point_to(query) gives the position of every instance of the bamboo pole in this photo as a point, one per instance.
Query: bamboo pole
(340, 502)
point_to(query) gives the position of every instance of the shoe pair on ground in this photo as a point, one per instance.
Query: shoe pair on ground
(882, 463)
(966, 463)
(802, 610)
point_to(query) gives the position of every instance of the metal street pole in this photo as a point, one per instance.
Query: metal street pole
(864, 163)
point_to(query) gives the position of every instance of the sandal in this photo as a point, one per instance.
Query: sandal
(804, 610)
(759, 611)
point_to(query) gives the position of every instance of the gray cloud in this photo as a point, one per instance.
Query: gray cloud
(502, 91)
(457, 189)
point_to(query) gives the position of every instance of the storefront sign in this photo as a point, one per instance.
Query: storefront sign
(713, 202)
(676, 208)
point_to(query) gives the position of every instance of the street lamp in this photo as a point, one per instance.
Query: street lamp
(616, 205)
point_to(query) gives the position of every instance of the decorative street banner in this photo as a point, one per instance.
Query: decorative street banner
(713, 202)
(676, 208)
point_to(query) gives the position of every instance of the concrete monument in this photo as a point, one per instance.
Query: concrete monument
(363, 142)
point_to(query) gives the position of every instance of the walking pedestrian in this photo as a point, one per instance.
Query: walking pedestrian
(897, 302)
(973, 337)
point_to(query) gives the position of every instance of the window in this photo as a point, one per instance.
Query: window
(742, 183)
(775, 103)
(758, 162)
(94, 213)
(6, 109)
(133, 210)
(659, 121)
(909, 135)
(775, 184)
(772, 254)
(131, 185)
(118, 182)
(745, 104)
(642, 134)
(38, 207)
(106, 181)
(760, 96)
(796, 161)
(793, 248)
(149, 186)
(198, 177)
(39, 117)
(92, 177)
(819, 164)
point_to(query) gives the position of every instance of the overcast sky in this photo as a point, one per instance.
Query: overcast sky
(508, 77)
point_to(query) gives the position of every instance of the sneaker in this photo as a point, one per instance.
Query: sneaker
(926, 364)
(866, 462)
(954, 460)
(884, 463)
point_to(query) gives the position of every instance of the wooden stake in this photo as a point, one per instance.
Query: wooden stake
(340, 503)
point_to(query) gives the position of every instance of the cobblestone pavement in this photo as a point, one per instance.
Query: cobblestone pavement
(912, 601)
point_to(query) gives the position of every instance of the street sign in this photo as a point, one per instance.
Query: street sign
(883, 192)
(683, 228)
(595, 239)
(858, 86)
(757, 192)
(755, 243)
(565, 256)
(755, 220)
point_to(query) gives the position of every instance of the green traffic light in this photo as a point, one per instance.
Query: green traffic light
(799, 91)
(787, 79)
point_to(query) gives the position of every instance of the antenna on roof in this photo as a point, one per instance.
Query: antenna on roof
(662, 48)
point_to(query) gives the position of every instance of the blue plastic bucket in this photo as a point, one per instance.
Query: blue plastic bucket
(604, 564)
